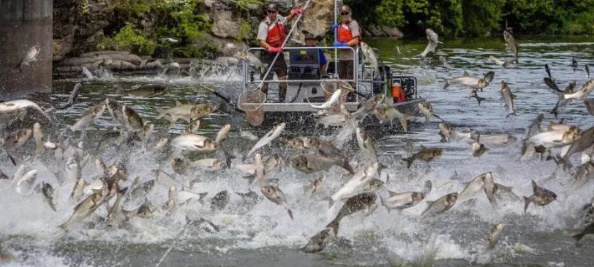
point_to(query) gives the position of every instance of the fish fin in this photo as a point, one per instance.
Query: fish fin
(202, 196)
(64, 226)
(447, 83)
(347, 166)
(409, 161)
(380, 168)
(12, 160)
(427, 187)
(392, 193)
(290, 214)
(479, 99)
(511, 114)
(250, 178)
(526, 203)
(177, 103)
(534, 186)
(466, 74)
(334, 224)
(429, 202)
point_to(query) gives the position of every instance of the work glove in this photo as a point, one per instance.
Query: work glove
(340, 44)
(273, 49)
(297, 11)
(334, 26)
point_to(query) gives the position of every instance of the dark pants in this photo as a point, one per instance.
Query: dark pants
(280, 68)
(345, 71)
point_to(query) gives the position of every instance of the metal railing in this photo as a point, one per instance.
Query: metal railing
(361, 84)
(248, 81)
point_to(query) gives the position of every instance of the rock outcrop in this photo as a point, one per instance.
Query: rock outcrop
(80, 25)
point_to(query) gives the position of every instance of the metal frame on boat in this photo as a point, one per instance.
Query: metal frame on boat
(304, 83)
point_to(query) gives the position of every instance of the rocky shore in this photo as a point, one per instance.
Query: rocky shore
(87, 31)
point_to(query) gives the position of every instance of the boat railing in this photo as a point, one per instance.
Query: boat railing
(250, 80)
(362, 84)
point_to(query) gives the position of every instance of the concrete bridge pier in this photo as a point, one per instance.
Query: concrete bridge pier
(24, 24)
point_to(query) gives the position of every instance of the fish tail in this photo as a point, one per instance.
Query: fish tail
(250, 178)
(347, 166)
(19, 66)
(409, 161)
(480, 99)
(161, 111)
(555, 112)
(511, 114)
(579, 236)
(447, 83)
(404, 123)
(64, 226)
(526, 203)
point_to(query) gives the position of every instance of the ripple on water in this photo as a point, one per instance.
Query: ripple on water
(263, 234)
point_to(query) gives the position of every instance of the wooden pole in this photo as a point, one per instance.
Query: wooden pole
(24, 24)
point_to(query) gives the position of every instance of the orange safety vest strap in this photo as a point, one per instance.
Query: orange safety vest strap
(345, 34)
(276, 34)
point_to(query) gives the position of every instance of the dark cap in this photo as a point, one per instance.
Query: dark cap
(272, 6)
(344, 8)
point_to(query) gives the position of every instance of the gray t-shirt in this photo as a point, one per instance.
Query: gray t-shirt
(355, 31)
(263, 28)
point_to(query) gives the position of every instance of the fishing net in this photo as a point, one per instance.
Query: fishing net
(252, 102)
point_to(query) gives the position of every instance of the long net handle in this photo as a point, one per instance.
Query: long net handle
(283, 45)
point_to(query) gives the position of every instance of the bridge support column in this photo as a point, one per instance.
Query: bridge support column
(24, 24)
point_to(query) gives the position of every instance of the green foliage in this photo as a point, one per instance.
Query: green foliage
(184, 24)
(196, 51)
(182, 20)
(84, 7)
(243, 4)
(129, 39)
(481, 17)
(473, 18)
(134, 6)
(245, 28)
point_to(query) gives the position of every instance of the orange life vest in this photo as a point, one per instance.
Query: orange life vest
(345, 34)
(276, 34)
(398, 94)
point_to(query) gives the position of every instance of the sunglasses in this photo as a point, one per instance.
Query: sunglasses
(271, 11)
(344, 13)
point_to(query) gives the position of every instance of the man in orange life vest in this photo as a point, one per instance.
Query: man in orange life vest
(348, 34)
(272, 34)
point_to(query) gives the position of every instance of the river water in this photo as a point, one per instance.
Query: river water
(263, 234)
